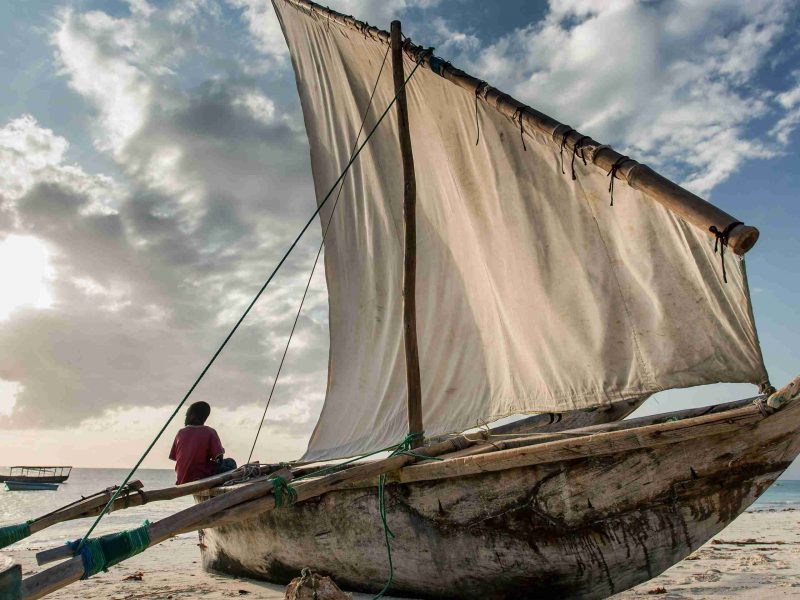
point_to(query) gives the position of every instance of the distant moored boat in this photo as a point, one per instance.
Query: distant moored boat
(29, 486)
(23, 474)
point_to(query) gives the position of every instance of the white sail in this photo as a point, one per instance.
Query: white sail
(533, 293)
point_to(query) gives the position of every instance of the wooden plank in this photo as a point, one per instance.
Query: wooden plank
(10, 578)
(415, 425)
(258, 495)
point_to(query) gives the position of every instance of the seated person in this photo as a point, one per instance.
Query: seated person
(197, 450)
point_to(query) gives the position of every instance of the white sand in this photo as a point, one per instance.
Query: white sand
(766, 564)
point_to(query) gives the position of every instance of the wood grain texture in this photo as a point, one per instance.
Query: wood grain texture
(585, 525)
(10, 578)
(413, 384)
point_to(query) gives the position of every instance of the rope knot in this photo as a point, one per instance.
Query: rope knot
(479, 89)
(578, 146)
(518, 116)
(285, 494)
(721, 242)
(564, 138)
(613, 174)
(98, 554)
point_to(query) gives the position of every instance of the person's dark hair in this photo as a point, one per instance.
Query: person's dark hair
(197, 413)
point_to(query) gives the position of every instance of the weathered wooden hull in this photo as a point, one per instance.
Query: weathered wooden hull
(582, 528)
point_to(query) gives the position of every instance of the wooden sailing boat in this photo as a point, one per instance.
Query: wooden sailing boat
(535, 292)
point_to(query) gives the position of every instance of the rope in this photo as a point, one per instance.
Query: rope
(257, 296)
(613, 174)
(575, 152)
(518, 114)
(98, 554)
(403, 447)
(10, 534)
(285, 494)
(721, 241)
(478, 89)
(564, 138)
(316, 260)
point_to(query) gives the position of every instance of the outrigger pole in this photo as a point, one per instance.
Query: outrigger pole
(415, 427)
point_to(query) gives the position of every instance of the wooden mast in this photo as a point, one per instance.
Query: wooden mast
(410, 255)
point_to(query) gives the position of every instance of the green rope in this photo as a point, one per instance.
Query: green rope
(224, 343)
(285, 494)
(403, 447)
(98, 554)
(11, 534)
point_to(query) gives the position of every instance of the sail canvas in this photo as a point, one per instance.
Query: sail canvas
(534, 294)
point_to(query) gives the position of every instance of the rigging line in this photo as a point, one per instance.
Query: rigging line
(255, 299)
(316, 259)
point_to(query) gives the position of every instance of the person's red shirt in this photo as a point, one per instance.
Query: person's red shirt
(194, 450)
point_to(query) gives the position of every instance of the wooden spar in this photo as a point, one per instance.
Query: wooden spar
(10, 578)
(415, 426)
(80, 509)
(256, 497)
(686, 205)
(136, 496)
(184, 518)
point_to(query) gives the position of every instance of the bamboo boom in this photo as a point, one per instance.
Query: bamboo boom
(682, 202)
(414, 387)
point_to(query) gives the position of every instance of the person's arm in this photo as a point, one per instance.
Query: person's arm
(216, 451)
(173, 454)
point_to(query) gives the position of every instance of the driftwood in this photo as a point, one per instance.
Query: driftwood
(682, 202)
(587, 525)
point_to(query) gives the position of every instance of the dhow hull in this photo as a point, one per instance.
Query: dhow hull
(587, 527)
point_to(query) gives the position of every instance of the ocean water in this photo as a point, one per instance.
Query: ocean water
(17, 507)
(781, 495)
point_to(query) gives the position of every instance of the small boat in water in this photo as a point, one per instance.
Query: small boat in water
(23, 474)
(30, 486)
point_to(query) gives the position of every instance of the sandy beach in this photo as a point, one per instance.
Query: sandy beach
(756, 557)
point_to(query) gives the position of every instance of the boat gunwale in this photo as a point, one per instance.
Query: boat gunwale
(530, 451)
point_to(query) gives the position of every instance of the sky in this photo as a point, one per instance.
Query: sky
(154, 167)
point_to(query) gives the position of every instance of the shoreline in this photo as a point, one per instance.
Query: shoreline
(756, 556)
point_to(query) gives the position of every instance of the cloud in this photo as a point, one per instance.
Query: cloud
(790, 102)
(672, 82)
(212, 183)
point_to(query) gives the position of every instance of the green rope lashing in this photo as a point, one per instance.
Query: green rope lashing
(403, 447)
(11, 534)
(285, 494)
(98, 554)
